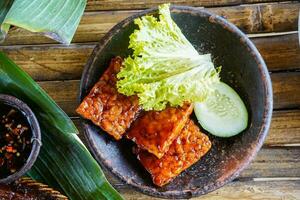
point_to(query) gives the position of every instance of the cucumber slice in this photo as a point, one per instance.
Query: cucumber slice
(223, 113)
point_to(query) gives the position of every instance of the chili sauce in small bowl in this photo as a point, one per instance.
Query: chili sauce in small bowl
(20, 138)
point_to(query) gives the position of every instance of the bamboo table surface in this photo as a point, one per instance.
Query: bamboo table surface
(271, 25)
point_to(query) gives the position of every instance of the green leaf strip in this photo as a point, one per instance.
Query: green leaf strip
(64, 162)
(56, 19)
(4, 8)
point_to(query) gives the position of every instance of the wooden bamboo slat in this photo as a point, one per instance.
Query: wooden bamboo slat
(64, 93)
(285, 128)
(280, 52)
(57, 62)
(274, 162)
(141, 4)
(279, 16)
(256, 18)
(93, 5)
(246, 190)
(50, 62)
(259, 18)
(286, 90)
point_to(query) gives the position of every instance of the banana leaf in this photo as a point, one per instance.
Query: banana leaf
(4, 7)
(64, 163)
(57, 19)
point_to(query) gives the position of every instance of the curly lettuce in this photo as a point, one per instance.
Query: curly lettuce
(165, 68)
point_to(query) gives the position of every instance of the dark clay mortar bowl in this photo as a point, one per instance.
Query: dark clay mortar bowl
(242, 68)
(35, 131)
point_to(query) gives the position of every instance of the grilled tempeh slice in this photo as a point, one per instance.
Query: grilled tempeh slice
(156, 130)
(186, 150)
(107, 108)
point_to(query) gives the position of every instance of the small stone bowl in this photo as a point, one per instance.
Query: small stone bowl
(35, 138)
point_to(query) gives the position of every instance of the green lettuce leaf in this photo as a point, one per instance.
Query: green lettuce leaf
(165, 68)
(56, 19)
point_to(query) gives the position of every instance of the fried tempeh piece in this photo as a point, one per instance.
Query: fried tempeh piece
(156, 130)
(107, 108)
(186, 150)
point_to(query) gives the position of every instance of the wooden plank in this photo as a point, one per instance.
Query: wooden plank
(275, 162)
(51, 62)
(57, 62)
(259, 18)
(284, 130)
(272, 16)
(246, 190)
(286, 88)
(64, 93)
(255, 18)
(141, 4)
(280, 52)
